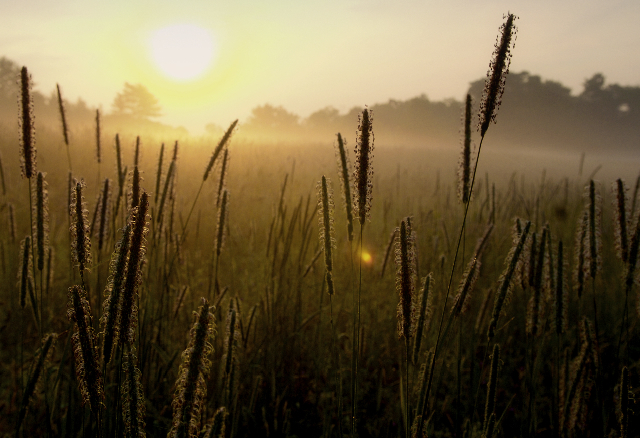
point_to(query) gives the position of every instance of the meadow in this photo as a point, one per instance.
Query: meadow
(189, 294)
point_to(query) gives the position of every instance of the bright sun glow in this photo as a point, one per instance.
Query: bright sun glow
(182, 51)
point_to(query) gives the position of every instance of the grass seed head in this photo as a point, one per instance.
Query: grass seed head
(363, 173)
(63, 117)
(405, 281)
(593, 255)
(325, 221)
(464, 166)
(25, 274)
(85, 349)
(133, 405)
(81, 242)
(621, 219)
(344, 170)
(506, 280)
(191, 384)
(41, 213)
(497, 74)
(98, 141)
(216, 152)
(27, 127)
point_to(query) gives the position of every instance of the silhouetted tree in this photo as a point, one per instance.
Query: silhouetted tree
(272, 118)
(136, 101)
(9, 72)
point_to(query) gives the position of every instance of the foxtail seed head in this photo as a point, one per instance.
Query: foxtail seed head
(424, 318)
(325, 221)
(222, 184)
(344, 170)
(497, 74)
(632, 276)
(593, 255)
(363, 173)
(216, 426)
(621, 219)
(41, 213)
(505, 282)
(133, 408)
(467, 283)
(159, 173)
(81, 243)
(191, 384)
(405, 282)
(27, 128)
(229, 358)
(135, 187)
(223, 217)
(12, 223)
(580, 266)
(112, 307)
(25, 275)
(464, 166)
(102, 232)
(85, 349)
(133, 279)
(98, 142)
(65, 130)
(37, 370)
(223, 141)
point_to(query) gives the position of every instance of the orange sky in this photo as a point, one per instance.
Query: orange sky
(309, 55)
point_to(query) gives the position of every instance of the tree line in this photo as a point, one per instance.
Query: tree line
(535, 113)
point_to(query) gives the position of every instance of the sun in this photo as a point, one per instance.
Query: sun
(183, 52)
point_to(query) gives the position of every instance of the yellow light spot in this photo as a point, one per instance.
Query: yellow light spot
(366, 257)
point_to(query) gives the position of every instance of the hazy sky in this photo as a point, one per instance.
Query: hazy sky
(306, 55)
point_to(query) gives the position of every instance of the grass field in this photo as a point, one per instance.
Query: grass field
(221, 321)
